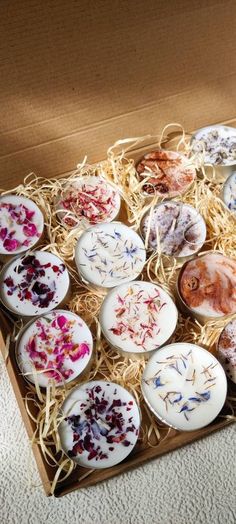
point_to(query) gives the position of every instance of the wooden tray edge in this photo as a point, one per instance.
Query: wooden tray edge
(141, 457)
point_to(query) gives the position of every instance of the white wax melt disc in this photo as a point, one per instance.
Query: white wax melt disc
(165, 173)
(177, 229)
(227, 349)
(21, 224)
(207, 285)
(86, 201)
(184, 386)
(109, 254)
(138, 317)
(34, 283)
(229, 192)
(57, 346)
(217, 144)
(101, 424)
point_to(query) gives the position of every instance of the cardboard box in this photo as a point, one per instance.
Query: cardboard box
(76, 76)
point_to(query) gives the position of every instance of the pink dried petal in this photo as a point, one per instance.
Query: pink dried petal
(67, 347)
(11, 244)
(29, 214)
(26, 242)
(79, 352)
(60, 359)
(61, 320)
(30, 230)
(3, 233)
(67, 373)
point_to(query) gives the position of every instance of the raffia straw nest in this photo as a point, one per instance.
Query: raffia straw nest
(119, 170)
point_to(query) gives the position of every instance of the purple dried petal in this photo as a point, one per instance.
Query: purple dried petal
(93, 453)
(28, 260)
(126, 443)
(40, 289)
(9, 282)
(88, 444)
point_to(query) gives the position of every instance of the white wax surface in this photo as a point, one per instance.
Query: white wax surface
(108, 254)
(179, 227)
(96, 429)
(59, 341)
(184, 385)
(208, 285)
(22, 286)
(217, 143)
(88, 200)
(227, 349)
(21, 224)
(138, 317)
(229, 192)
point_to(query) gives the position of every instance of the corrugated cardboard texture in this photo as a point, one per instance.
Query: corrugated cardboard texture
(77, 75)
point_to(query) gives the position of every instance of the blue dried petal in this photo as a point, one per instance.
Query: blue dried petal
(157, 382)
(185, 407)
(205, 396)
(177, 399)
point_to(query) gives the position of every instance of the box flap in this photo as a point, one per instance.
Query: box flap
(76, 76)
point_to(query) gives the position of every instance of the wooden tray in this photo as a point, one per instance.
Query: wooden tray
(81, 477)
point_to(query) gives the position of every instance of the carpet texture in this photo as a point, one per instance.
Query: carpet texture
(193, 485)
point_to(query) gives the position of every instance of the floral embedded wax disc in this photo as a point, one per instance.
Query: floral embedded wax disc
(177, 228)
(138, 317)
(34, 283)
(227, 349)
(207, 285)
(58, 345)
(87, 201)
(21, 224)
(184, 386)
(109, 254)
(217, 144)
(101, 426)
(166, 173)
(229, 192)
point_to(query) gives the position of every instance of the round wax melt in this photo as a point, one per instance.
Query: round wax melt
(138, 317)
(21, 224)
(166, 173)
(87, 201)
(178, 228)
(184, 386)
(207, 285)
(34, 283)
(59, 345)
(229, 192)
(109, 254)
(227, 349)
(217, 143)
(101, 426)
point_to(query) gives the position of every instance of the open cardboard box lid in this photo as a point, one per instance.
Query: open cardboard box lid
(77, 76)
